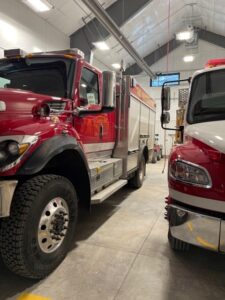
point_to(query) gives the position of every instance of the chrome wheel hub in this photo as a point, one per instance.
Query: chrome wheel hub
(53, 225)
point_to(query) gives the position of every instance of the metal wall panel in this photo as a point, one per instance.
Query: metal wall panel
(134, 124)
(151, 130)
(144, 121)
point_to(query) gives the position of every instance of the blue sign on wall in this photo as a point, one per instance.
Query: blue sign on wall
(161, 78)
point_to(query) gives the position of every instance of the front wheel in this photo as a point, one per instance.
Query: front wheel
(39, 232)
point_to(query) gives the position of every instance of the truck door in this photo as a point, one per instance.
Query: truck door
(93, 125)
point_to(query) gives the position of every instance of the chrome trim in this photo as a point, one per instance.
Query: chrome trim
(7, 189)
(194, 228)
(89, 148)
(20, 139)
(195, 166)
(205, 203)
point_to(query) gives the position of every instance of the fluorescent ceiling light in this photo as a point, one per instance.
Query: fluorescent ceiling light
(188, 58)
(184, 35)
(38, 5)
(101, 45)
(116, 66)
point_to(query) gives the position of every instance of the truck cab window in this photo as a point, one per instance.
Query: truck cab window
(51, 76)
(88, 89)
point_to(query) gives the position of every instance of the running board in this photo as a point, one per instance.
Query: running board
(104, 194)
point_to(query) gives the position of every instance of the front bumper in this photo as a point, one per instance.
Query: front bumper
(197, 229)
(7, 188)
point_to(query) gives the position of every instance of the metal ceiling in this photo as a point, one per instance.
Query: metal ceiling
(112, 28)
(144, 23)
(94, 30)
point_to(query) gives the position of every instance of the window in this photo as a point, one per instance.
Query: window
(49, 76)
(161, 78)
(88, 89)
(4, 82)
(207, 101)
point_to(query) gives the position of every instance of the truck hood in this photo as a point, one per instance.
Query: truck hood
(16, 115)
(210, 133)
(19, 102)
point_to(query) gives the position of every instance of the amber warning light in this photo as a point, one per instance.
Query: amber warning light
(215, 62)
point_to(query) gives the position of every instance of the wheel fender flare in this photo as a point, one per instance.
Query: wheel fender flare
(48, 150)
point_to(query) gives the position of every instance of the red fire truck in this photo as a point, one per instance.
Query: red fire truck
(69, 133)
(196, 169)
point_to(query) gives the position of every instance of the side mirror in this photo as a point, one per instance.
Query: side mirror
(165, 98)
(165, 117)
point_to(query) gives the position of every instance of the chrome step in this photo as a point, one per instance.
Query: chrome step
(104, 194)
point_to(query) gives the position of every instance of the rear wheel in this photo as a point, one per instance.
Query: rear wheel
(154, 158)
(137, 180)
(40, 230)
(177, 244)
(161, 152)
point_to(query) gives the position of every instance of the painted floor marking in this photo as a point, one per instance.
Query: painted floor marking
(28, 296)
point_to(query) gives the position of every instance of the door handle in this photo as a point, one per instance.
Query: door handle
(101, 131)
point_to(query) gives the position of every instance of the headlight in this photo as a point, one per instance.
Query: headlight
(12, 149)
(190, 173)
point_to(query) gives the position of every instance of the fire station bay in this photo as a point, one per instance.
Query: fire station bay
(112, 150)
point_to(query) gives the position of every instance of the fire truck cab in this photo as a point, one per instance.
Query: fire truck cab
(196, 169)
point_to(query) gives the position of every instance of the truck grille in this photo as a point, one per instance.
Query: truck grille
(57, 106)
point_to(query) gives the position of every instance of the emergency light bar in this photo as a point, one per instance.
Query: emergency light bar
(71, 51)
(215, 62)
(14, 53)
(21, 53)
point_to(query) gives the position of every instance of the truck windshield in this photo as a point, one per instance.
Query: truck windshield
(43, 75)
(207, 99)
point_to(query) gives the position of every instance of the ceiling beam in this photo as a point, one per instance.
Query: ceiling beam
(112, 28)
(205, 35)
(154, 56)
(120, 11)
(211, 37)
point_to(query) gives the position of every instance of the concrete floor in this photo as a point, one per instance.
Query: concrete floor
(121, 252)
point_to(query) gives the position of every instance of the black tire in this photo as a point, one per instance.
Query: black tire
(138, 179)
(177, 244)
(154, 158)
(20, 233)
